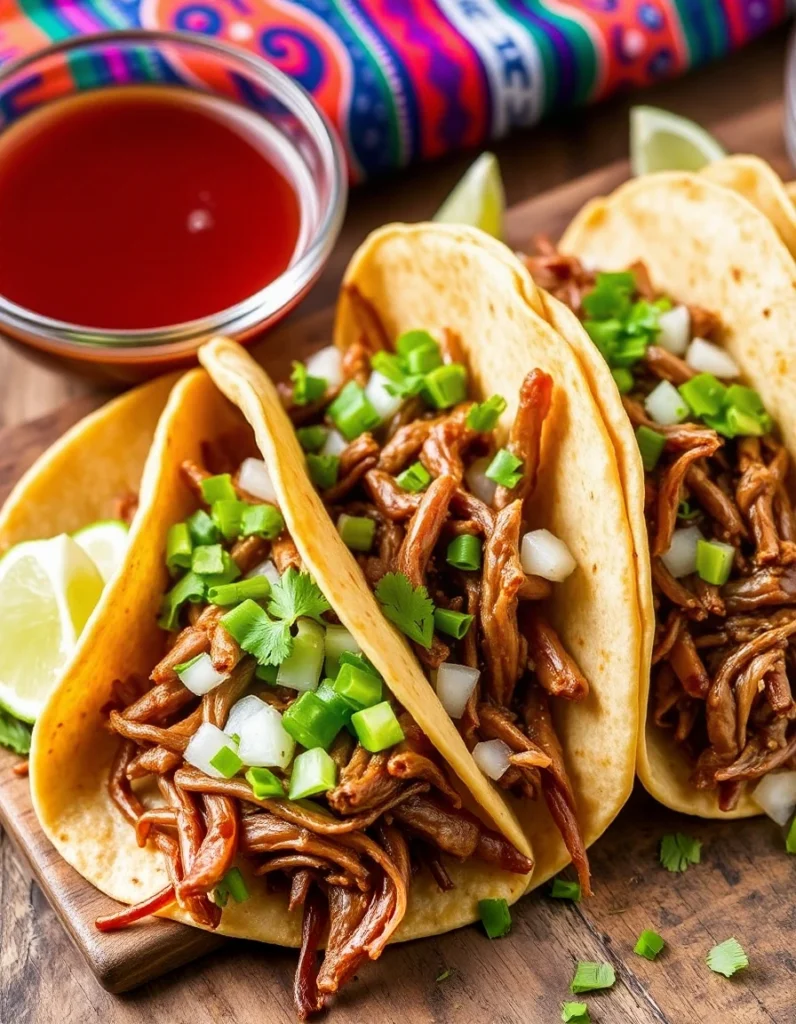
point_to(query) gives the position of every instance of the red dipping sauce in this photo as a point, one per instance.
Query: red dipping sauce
(142, 207)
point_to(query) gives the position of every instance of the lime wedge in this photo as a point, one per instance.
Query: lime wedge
(662, 141)
(106, 545)
(48, 589)
(478, 200)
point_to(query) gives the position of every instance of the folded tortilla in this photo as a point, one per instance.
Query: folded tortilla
(703, 245)
(440, 277)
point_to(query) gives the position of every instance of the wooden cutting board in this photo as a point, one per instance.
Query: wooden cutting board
(744, 886)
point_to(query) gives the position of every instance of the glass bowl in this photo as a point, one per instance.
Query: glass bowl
(116, 60)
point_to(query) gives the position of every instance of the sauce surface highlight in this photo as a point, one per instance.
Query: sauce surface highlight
(141, 207)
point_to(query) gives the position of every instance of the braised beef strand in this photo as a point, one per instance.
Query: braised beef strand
(724, 655)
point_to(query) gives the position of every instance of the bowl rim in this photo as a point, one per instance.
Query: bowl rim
(260, 307)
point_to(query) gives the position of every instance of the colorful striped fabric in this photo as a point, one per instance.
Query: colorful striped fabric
(411, 79)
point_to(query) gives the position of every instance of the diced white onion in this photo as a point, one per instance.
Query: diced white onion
(543, 554)
(301, 669)
(328, 364)
(201, 677)
(705, 357)
(255, 480)
(335, 443)
(776, 795)
(267, 569)
(478, 482)
(203, 747)
(385, 404)
(455, 684)
(240, 711)
(492, 757)
(264, 742)
(675, 330)
(666, 405)
(681, 557)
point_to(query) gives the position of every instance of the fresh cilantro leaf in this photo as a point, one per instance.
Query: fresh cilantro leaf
(727, 958)
(410, 608)
(590, 976)
(296, 596)
(575, 1013)
(14, 735)
(679, 851)
(306, 389)
(270, 642)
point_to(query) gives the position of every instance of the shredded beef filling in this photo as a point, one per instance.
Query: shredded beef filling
(723, 655)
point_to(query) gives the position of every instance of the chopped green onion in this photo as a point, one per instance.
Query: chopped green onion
(623, 379)
(743, 424)
(359, 686)
(790, 839)
(207, 558)
(464, 552)
(679, 851)
(590, 976)
(227, 762)
(357, 660)
(505, 469)
(202, 528)
(714, 561)
(306, 389)
(651, 445)
(727, 958)
(495, 917)
(229, 572)
(389, 365)
(190, 588)
(302, 669)
(323, 470)
(684, 511)
(357, 532)
(342, 707)
(649, 944)
(377, 728)
(232, 884)
(561, 889)
(312, 439)
(415, 478)
(227, 515)
(454, 624)
(311, 722)
(261, 521)
(424, 359)
(178, 547)
(257, 589)
(610, 296)
(264, 783)
(705, 394)
(337, 640)
(446, 386)
(575, 1013)
(411, 340)
(483, 417)
(352, 413)
(313, 772)
(218, 488)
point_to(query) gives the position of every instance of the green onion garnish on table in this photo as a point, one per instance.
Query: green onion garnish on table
(561, 889)
(495, 917)
(505, 469)
(649, 944)
(313, 772)
(727, 958)
(464, 552)
(357, 532)
(377, 728)
(575, 1013)
(590, 976)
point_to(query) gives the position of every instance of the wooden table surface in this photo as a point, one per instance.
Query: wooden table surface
(42, 977)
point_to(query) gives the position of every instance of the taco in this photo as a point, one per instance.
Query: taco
(447, 423)
(226, 753)
(680, 300)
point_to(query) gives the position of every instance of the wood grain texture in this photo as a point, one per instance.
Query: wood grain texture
(742, 888)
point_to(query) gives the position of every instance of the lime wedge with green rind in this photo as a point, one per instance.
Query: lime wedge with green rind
(663, 141)
(478, 200)
(48, 590)
(106, 545)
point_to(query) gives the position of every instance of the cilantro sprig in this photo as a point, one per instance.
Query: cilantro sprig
(297, 596)
(678, 852)
(409, 608)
